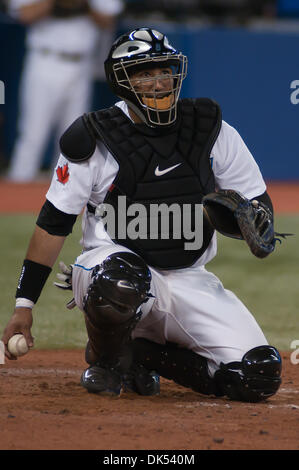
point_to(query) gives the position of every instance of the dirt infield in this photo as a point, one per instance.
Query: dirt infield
(43, 406)
(28, 198)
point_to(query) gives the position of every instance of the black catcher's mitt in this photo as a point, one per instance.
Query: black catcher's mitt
(233, 215)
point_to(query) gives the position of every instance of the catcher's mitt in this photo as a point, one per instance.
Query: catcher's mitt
(233, 215)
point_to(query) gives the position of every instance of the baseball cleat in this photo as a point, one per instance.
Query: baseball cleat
(101, 380)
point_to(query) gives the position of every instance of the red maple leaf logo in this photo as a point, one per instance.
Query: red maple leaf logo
(63, 173)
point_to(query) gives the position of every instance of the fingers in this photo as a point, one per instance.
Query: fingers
(9, 356)
(63, 277)
(63, 286)
(5, 339)
(29, 338)
(20, 322)
(64, 268)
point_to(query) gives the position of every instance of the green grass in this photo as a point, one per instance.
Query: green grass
(54, 326)
(268, 287)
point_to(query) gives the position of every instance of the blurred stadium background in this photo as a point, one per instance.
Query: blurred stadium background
(243, 54)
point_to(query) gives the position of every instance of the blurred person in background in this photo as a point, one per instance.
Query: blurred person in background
(62, 39)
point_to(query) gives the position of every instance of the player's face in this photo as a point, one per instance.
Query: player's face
(154, 86)
(153, 80)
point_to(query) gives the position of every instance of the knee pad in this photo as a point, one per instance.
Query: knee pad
(112, 307)
(119, 287)
(256, 377)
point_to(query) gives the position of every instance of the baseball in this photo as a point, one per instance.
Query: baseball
(17, 345)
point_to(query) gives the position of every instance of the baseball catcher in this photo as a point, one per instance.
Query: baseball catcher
(142, 170)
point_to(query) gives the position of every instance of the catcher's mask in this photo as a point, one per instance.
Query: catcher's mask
(140, 50)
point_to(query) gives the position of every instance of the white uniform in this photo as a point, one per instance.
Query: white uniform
(190, 306)
(56, 81)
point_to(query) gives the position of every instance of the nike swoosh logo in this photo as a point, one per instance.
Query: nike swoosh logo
(163, 172)
(124, 285)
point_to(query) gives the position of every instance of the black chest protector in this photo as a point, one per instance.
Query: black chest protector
(161, 169)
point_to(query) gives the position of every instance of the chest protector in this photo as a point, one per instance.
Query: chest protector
(168, 171)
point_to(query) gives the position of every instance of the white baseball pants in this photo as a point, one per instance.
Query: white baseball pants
(190, 307)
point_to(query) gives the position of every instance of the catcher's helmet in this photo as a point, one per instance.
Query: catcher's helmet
(146, 48)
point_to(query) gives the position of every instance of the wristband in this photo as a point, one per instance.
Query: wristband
(22, 302)
(32, 280)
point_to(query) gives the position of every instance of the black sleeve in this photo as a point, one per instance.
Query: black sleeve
(265, 199)
(54, 221)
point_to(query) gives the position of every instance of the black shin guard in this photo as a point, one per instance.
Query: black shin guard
(253, 379)
(181, 365)
(112, 306)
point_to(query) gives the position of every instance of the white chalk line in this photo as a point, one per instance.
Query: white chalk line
(198, 404)
(39, 371)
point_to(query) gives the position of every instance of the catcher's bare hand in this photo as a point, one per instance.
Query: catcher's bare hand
(20, 322)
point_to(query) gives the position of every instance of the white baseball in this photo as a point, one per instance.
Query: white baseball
(17, 345)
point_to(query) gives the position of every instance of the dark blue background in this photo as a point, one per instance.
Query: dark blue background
(249, 73)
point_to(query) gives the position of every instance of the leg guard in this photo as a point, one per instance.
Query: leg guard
(255, 378)
(181, 365)
(119, 286)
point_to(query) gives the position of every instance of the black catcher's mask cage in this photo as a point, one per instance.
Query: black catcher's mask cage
(143, 49)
